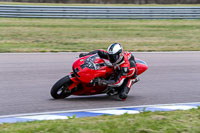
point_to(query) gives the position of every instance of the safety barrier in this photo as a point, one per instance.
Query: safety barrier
(92, 12)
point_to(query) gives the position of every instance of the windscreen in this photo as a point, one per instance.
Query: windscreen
(89, 62)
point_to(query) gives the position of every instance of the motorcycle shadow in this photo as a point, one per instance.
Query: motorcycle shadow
(102, 97)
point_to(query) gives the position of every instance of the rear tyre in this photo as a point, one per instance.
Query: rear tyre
(60, 88)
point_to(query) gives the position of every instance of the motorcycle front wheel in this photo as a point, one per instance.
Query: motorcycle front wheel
(60, 88)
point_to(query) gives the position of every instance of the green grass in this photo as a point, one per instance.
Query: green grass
(55, 35)
(147, 122)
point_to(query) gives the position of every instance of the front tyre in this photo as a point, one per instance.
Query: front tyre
(60, 88)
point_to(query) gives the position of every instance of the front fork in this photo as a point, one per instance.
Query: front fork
(75, 81)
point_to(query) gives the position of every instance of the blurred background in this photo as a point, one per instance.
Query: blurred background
(111, 1)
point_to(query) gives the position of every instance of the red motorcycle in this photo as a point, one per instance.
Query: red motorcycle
(85, 71)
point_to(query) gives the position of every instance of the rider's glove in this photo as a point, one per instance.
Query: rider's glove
(82, 55)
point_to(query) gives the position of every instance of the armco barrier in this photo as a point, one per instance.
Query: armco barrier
(89, 12)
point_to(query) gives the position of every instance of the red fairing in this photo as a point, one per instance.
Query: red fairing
(74, 84)
(87, 73)
(90, 67)
(141, 66)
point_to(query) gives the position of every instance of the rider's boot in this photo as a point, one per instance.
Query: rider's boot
(135, 80)
(124, 93)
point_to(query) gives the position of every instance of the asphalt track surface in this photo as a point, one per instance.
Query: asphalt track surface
(26, 79)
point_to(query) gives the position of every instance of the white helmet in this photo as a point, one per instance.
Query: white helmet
(115, 53)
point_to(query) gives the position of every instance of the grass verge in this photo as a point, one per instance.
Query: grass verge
(57, 35)
(146, 122)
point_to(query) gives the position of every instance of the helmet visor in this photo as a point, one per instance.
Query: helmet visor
(113, 57)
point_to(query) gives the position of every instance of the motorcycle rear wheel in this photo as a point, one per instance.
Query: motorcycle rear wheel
(60, 88)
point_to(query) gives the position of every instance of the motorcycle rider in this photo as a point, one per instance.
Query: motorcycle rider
(124, 65)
